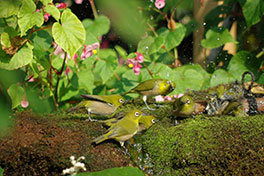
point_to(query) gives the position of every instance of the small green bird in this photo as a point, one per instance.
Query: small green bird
(153, 87)
(184, 106)
(123, 129)
(99, 104)
(144, 122)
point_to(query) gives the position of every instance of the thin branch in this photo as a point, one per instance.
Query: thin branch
(93, 8)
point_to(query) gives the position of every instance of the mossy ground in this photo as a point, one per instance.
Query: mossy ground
(226, 145)
(42, 145)
(207, 146)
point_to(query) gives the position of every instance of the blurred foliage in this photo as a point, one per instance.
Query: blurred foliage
(126, 171)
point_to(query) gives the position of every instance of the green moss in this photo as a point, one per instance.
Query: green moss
(207, 146)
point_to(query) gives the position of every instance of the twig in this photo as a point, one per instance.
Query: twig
(93, 8)
(58, 78)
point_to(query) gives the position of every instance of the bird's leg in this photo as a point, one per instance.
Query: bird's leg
(90, 116)
(145, 101)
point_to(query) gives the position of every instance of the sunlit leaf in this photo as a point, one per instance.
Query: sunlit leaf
(70, 34)
(45, 2)
(28, 16)
(9, 7)
(23, 57)
(86, 80)
(53, 11)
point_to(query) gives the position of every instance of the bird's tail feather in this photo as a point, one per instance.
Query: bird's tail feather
(100, 139)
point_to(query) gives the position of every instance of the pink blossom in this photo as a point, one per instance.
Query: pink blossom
(159, 98)
(46, 17)
(37, 10)
(24, 103)
(89, 50)
(67, 70)
(130, 63)
(160, 4)
(61, 5)
(78, 1)
(136, 68)
(178, 96)
(167, 98)
(201, 1)
(139, 57)
(31, 79)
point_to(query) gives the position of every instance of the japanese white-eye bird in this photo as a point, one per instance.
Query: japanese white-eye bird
(144, 122)
(123, 129)
(153, 87)
(184, 106)
(99, 104)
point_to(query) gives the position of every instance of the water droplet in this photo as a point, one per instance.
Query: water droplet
(151, 17)
(204, 23)
(218, 39)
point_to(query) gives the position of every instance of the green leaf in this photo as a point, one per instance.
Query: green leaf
(221, 76)
(23, 57)
(16, 94)
(98, 27)
(217, 37)
(191, 26)
(28, 17)
(174, 38)
(156, 45)
(104, 69)
(45, 2)
(143, 45)
(70, 34)
(9, 7)
(5, 40)
(122, 171)
(253, 11)
(121, 51)
(241, 62)
(42, 40)
(1, 171)
(86, 80)
(53, 11)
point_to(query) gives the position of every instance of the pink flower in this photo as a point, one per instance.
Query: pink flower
(178, 96)
(130, 62)
(167, 98)
(89, 50)
(67, 70)
(61, 5)
(135, 63)
(24, 103)
(160, 4)
(159, 98)
(136, 68)
(201, 1)
(78, 1)
(139, 57)
(31, 79)
(46, 17)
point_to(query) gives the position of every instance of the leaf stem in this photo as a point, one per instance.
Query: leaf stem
(93, 8)
(58, 79)
(150, 73)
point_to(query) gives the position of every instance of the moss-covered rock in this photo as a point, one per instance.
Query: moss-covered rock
(207, 146)
(41, 145)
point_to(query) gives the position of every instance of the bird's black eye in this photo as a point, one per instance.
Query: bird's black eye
(121, 100)
(188, 101)
(137, 114)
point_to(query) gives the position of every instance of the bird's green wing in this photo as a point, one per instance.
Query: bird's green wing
(145, 86)
(94, 98)
(122, 128)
